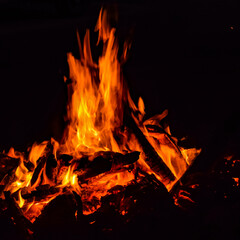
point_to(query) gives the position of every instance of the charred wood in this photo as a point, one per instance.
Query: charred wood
(13, 211)
(41, 192)
(163, 137)
(7, 166)
(65, 159)
(41, 162)
(166, 146)
(51, 168)
(102, 162)
(151, 156)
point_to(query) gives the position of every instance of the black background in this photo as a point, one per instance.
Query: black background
(185, 57)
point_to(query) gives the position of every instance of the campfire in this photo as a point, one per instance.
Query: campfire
(110, 157)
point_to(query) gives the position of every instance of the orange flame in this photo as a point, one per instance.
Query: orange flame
(95, 109)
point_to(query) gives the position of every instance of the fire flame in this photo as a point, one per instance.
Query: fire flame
(95, 112)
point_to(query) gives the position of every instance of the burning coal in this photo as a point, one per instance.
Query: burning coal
(107, 142)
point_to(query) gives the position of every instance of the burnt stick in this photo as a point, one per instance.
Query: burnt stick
(107, 161)
(152, 158)
(15, 213)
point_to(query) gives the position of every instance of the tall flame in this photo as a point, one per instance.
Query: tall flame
(95, 109)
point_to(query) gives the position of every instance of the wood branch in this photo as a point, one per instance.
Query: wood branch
(65, 159)
(151, 156)
(51, 168)
(41, 192)
(38, 170)
(15, 213)
(117, 160)
(167, 148)
(102, 162)
(7, 166)
(164, 138)
(41, 162)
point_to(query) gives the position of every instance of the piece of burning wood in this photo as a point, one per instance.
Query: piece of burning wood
(118, 160)
(7, 165)
(15, 213)
(51, 168)
(151, 157)
(106, 161)
(163, 137)
(167, 147)
(41, 192)
(41, 163)
(65, 159)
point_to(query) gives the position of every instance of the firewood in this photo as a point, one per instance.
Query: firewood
(7, 165)
(151, 157)
(118, 160)
(41, 163)
(40, 193)
(51, 168)
(122, 160)
(15, 213)
(29, 165)
(106, 161)
(65, 159)
(166, 144)
(156, 131)
(81, 163)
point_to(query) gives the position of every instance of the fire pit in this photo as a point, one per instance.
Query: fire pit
(115, 174)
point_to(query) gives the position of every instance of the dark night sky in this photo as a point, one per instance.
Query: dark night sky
(185, 56)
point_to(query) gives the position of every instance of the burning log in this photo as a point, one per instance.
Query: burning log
(51, 168)
(102, 162)
(38, 170)
(41, 192)
(65, 159)
(23, 225)
(151, 156)
(167, 148)
(47, 163)
(7, 166)
(164, 138)
(41, 163)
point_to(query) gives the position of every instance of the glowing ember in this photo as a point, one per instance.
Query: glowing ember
(98, 152)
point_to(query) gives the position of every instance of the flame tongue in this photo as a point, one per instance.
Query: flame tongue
(95, 109)
(95, 155)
